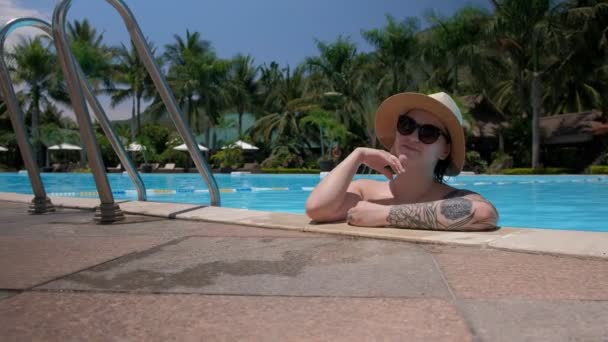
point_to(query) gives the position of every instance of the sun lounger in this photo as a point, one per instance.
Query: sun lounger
(250, 167)
(170, 168)
(116, 169)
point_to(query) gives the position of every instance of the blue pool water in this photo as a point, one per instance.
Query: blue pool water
(553, 202)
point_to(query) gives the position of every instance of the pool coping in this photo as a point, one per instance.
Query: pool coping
(530, 240)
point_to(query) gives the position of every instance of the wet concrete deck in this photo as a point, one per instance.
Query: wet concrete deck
(62, 277)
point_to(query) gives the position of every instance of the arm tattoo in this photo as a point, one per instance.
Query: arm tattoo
(456, 210)
(460, 193)
(424, 215)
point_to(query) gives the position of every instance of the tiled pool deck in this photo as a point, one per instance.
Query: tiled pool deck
(182, 272)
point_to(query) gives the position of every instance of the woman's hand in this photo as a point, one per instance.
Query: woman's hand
(367, 214)
(380, 159)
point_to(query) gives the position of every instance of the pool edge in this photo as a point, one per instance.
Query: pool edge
(529, 240)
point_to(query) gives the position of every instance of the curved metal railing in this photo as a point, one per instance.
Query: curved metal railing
(17, 116)
(109, 211)
(41, 203)
(69, 67)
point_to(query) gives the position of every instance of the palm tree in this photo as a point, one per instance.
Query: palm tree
(94, 57)
(453, 44)
(395, 45)
(137, 85)
(525, 32)
(342, 71)
(286, 104)
(198, 79)
(242, 86)
(580, 79)
(36, 68)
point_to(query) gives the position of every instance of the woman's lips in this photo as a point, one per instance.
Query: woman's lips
(409, 148)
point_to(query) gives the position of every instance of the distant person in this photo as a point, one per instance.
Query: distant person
(426, 141)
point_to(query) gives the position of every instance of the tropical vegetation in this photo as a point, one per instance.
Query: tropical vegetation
(527, 58)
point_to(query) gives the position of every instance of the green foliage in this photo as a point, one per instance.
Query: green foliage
(500, 161)
(599, 169)
(156, 137)
(290, 170)
(229, 157)
(331, 98)
(531, 171)
(82, 170)
(473, 162)
(180, 158)
(284, 156)
(107, 152)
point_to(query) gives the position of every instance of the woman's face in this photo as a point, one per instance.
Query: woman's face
(418, 153)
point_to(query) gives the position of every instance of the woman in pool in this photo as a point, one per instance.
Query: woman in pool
(426, 141)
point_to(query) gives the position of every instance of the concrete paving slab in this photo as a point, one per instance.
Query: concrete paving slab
(591, 244)
(15, 197)
(533, 320)
(159, 209)
(270, 266)
(252, 218)
(78, 223)
(412, 235)
(28, 261)
(5, 294)
(76, 203)
(479, 273)
(92, 317)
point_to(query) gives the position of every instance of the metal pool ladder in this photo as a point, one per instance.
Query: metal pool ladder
(108, 211)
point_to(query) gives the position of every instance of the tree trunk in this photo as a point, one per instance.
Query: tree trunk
(240, 123)
(207, 136)
(321, 139)
(138, 112)
(36, 126)
(535, 98)
(133, 135)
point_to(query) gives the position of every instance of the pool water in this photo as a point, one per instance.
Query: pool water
(572, 202)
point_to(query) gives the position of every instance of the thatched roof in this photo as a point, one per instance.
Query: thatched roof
(487, 119)
(572, 128)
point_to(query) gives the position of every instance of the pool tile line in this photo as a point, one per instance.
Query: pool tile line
(160, 192)
(582, 244)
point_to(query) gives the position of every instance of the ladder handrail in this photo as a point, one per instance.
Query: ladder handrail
(91, 99)
(138, 39)
(41, 203)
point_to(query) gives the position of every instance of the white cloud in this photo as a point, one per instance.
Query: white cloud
(10, 9)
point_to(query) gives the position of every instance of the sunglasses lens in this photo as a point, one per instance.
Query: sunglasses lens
(406, 125)
(428, 134)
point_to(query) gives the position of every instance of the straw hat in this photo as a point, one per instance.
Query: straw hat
(439, 104)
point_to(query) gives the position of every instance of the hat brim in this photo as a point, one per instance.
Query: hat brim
(389, 111)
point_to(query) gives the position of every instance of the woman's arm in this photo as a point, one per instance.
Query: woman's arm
(459, 211)
(336, 193)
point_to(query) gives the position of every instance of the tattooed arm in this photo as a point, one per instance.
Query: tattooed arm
(460, 210)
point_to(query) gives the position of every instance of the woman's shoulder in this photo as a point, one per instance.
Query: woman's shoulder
(364, 182)
(367, 187)
(448, 192)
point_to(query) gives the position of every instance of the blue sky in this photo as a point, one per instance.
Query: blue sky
(269, 30)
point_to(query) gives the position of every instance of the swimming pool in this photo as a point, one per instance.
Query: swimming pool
(576, 202)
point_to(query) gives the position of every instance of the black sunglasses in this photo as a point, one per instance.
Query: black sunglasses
(427, 133)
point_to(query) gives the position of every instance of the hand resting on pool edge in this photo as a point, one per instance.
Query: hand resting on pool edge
(425, 141)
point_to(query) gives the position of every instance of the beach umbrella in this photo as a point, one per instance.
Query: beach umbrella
(3, 149)
(242, 145)
(183, 147)
(135, 147)
(66, 147)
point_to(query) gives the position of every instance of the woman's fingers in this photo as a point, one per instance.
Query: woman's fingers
(386, 172)
(403, 161)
